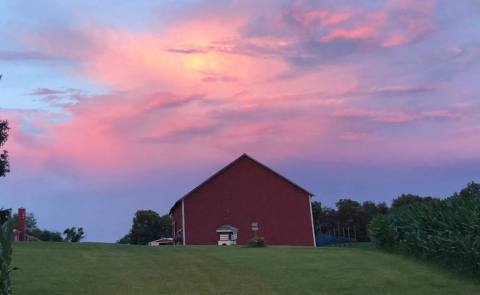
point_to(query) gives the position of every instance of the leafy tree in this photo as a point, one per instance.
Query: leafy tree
(30, 222)
(73, 234)
(405, 199)
(347, 211)
(4, 166)
(125, 239)
(471, 191)
(5, 215)
(382, 208)
(147, 226)
(317, 216)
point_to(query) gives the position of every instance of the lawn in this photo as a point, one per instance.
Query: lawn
(60, 268)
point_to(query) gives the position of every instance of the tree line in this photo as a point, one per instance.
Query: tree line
(70, 234)
(355, 216)
(148, 225)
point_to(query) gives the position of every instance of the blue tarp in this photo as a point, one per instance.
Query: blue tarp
(326, 239)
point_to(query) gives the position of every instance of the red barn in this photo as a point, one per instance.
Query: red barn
(244, 196)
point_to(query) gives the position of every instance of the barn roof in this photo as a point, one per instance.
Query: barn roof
(242, 157)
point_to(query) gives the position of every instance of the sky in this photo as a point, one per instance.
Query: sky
(119, 107)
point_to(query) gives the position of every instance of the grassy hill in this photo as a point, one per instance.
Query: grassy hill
(59, 268)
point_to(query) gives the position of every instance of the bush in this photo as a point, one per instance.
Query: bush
(256, 242)
(446, 231)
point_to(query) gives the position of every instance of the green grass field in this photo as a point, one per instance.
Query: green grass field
(60, 268)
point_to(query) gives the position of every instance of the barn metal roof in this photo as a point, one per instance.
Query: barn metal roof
(244, 156)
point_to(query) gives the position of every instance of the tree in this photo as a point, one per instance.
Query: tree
(405, 199)
(30, 222)
(125, 239)
(317, 216)
(382, 208)
(4, 165)
(471, 191)
(147, 226)
(347, 211)
(73, 234)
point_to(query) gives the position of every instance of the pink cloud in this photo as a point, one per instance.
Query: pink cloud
(203, 88)
(322, 16)
(350, 34)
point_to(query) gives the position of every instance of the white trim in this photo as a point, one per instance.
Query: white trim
(311, 219)
(183, 222)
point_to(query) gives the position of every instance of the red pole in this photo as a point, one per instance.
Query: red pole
(21, 224)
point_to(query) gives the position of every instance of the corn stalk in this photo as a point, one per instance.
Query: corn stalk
(6, 230)
(446, 231)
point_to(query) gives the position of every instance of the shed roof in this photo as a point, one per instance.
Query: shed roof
(227, 228)
(242, 157)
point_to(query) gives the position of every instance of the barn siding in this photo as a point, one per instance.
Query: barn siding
(177, 223)
(244, 193)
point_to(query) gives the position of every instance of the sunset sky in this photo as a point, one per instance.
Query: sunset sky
(115, 108)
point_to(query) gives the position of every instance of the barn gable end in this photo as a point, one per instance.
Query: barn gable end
(245, 192)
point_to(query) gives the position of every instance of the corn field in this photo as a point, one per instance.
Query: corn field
(6, 230)
(445, 231)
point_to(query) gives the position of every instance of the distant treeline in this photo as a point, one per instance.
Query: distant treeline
(71, 234)
(353, 217)
(446, 231)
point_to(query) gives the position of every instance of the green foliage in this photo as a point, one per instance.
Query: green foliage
(348, 214)
(256, 242)
(381, 233)
(46, 235)
(125, 239)
(147, 225)
(408, 199)
(405, 199)
(4, 166)
(30, 222)
(6, 232)
(31, 229)
(447, 231)
(73, 234)
(5, 215)
(471, 191)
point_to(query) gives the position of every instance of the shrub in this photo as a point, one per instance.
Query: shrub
(446, 231)
(256, 242)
